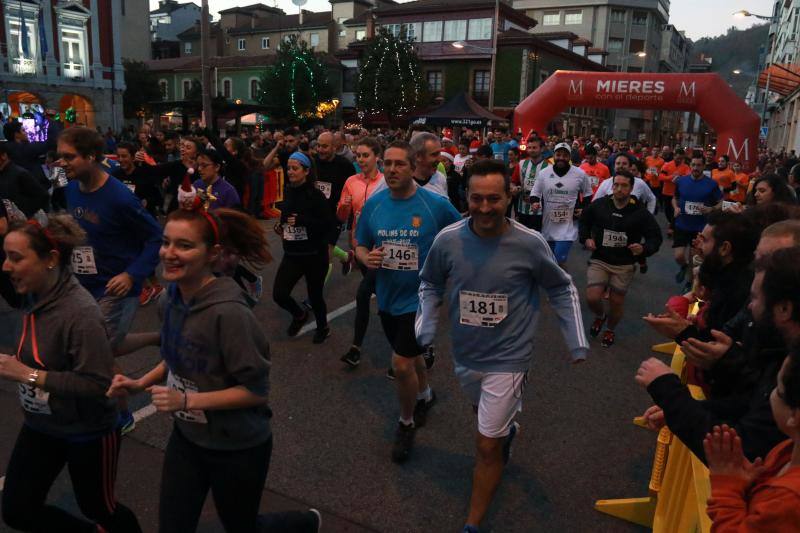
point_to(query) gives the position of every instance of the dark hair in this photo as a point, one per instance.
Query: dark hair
(484, 167)
(238, 232)
(485, 150)
(213, 155)
(170, 135)
(515, 150)
(765, 215)
(625, 174)
(129, 146)
(640, 166)
(791, 379)
(198, 145)
(371, 143)
(590, 150)
(780, 190)
(11, 128)
(536, 140)
(403, 145)
(86, 141)
(679, 152)
(62, 233)
(781, 279)
(736, 229)
(626, 155)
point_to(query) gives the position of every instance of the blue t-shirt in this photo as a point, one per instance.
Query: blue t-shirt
(406, 229)
(693, 194)
(500, 150)
(122, 235)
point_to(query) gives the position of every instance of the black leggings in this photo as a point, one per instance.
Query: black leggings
(293, 267)
(35, 463)
(365, 291)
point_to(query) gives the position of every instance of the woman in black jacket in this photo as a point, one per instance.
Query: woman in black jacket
(305, 222)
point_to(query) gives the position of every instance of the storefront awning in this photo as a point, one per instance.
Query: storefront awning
(783, 78)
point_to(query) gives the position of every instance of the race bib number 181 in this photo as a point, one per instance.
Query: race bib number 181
(482, 309)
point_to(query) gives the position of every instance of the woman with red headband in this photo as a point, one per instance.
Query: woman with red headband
(63, 367)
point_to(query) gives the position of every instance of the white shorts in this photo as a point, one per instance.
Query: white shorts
(497, 395)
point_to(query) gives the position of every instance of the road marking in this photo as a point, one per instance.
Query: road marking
(333, 314)
(2, 483)
(144, 412)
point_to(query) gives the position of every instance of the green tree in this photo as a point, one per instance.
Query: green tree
(296, 84)
(390, 80)
(141, 88)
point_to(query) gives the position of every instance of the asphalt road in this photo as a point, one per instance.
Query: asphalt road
(333, 427)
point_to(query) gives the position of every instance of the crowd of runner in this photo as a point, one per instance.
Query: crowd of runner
(96, 226)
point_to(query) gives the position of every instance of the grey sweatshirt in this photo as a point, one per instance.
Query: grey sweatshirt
(64, 333)
(213, 343)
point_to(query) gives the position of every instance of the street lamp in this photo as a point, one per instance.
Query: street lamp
(742, 13)
(736, 71)
(483, 49)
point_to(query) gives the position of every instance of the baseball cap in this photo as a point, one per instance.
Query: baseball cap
(562, 146)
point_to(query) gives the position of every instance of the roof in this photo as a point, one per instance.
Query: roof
(249, 9)
(583, 42)
(595, 51)
(192, 63)
(553, 35)
(784, 78)
(419, 7)
(514, 36)
(361, 2)
(460, 110)
(193, 32)
(311, 19)
(169, 6)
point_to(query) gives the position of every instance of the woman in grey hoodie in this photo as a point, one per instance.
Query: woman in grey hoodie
(63, 366)
(216, 365)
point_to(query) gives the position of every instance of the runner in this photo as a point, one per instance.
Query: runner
(526, 178)
(493, 302)
(62, 368)
(670, 172)
(395, 232)
(562, 191)
(724, 176)
(304, 226)
(613, 228)
(122, 238)
(598, 172)
(695, 196)
(742, 182)
(216, 364)
(653, 164)
(356, 190)
(223, 193)
(641, 190)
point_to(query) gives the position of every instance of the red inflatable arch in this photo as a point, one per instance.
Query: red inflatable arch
(707, 94)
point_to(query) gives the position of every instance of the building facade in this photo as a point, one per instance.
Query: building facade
(167, 22)
(68, 53)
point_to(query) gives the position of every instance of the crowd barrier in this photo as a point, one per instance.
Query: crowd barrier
(679, 484)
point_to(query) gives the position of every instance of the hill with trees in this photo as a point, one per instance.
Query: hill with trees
(736, 49)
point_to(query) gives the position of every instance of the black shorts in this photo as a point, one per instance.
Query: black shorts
(399, 330)
(333, 236)
(681, 238)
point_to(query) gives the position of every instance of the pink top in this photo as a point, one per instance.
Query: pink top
(357, 189)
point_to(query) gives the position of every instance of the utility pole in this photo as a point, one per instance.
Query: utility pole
(205, 69)
(493, 70)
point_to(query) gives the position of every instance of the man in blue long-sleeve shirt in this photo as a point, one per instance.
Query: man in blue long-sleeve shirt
(490, 270)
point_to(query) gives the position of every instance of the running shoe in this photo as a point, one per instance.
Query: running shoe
(421, 410)
(347, 266)
(509, 439)
(390, 373)
(126, 422)
(157, 290)
(597, 325)
(430, 357)
(352, 357)
(146, 295)
(297, 324)
(403, 442)
(470, 529)
(608, 339)
(321, 334)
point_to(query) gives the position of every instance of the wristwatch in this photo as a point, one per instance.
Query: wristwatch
(33, 376)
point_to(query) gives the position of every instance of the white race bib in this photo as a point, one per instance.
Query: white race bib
(325, 188)
(83, 260)
(727, 206)
(693, 208)
(560, 214)
(294, 233)
(400, 256)
(595, 181)
(614, 239)
(131, 187)
(482, 309)
(186, 386)
(33, 399)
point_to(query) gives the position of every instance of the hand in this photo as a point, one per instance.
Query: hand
(139, 156)
(13, 370)
(165, 184)
(706, 210)
(705, 354)
(121, 386)
(166, 399)
(736, 208)
(291, 219)
(650, 370)
(375, 257)
(590, 245)
(677, 212)
(724, 455)
(119, 285)
(577, 213)
(669, 324)
(654, 418)
(636, 248)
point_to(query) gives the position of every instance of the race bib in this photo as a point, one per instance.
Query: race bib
(693, 208)
(482, 309)
(595, 181)
(185, 386)
(83, 260)
(33, 399)
(614, 239)
(131, 187)
(561, 214)
(652, 170)
(727, 206)
(399, 256)
(294, 233)
(325, 188)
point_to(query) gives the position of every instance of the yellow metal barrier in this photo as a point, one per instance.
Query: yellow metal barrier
(679, 485)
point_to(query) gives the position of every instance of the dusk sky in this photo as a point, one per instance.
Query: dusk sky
(698, 18)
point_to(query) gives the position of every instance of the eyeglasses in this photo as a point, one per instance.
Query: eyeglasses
(204, 165)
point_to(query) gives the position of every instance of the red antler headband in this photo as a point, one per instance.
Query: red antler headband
(49, 236)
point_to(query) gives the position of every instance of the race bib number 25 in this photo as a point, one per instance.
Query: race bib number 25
(83, 260)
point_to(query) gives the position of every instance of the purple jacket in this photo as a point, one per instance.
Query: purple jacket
(224, 191)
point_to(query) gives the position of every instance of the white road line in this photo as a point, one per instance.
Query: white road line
(2, 483)
(144, 412)
(333, 314)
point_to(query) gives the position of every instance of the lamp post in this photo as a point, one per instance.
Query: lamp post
(484, 50)
(205, 69)
(743, 13)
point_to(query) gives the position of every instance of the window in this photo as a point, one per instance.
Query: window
(551, 18)
(187, 48)
(640, 18)
(254, 85)
(361, 35)
(455, 30)
(435, 82)
(480, 86)
(265, 43)
(73, 53)
(636, 46)
(314, 39)
(350, 80)
(227, 87)
(163, 87)
(573, 17)
(342, 33)
(615, 45)
(432, 31)
(480, 29)
(242, 44)
(23, 55)
(618, 16)
(187, 88)
(405, 31)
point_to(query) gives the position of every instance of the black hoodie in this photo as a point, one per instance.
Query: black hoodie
(314, 220)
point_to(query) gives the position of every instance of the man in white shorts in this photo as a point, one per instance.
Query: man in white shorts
(493, 303)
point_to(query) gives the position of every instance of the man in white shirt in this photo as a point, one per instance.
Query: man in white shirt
(640, 188)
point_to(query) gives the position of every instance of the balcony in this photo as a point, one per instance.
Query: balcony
(24, 66)
(74, 70)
